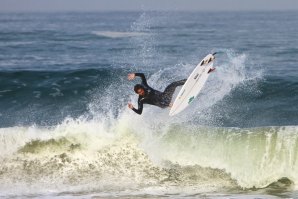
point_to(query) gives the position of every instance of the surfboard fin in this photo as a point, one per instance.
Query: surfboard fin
(211, 70)
(210, 60)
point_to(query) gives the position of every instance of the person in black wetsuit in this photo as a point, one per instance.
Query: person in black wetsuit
(148, 95)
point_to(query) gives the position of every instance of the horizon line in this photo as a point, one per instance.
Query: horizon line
(134, 10)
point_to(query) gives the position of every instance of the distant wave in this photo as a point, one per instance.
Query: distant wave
(113, 34)
(15, 43)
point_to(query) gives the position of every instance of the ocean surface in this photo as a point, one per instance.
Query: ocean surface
(66, 131)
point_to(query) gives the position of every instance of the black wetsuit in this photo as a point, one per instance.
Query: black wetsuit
(154, 97)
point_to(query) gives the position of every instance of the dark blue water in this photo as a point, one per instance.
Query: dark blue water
(65, 129)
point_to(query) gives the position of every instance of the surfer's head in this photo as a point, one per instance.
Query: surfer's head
(139, 89)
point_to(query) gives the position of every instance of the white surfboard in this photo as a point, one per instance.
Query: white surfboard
(193, 85)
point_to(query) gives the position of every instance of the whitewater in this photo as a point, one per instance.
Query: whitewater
(87, 156)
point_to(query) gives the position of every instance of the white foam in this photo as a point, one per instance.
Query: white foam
(130, 153)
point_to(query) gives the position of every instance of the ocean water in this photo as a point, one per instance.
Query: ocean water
(66, 131)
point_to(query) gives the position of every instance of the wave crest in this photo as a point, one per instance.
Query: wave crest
(91, 154)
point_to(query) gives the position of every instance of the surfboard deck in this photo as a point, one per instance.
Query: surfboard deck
(193, 85)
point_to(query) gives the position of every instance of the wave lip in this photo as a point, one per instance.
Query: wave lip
(115, 34)
(254, 157)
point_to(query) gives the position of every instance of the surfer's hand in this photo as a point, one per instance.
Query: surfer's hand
(131, 76)
(130, 105)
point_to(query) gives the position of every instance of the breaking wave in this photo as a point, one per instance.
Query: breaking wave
(89, 155)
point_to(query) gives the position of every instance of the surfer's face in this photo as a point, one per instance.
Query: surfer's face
(141, 92)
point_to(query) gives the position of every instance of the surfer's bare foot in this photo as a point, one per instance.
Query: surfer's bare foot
(211, 70)
(170, 105)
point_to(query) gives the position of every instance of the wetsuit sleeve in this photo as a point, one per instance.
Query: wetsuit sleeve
(142, 76)
(140, 107)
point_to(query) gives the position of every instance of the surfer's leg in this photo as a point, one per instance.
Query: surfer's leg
(170, 89)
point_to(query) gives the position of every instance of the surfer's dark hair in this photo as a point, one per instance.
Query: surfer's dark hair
(137, 87)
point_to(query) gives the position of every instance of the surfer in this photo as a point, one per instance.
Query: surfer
(148, 95)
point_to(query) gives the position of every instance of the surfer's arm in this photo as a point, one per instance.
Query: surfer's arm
(142, 76)
(140, 107)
